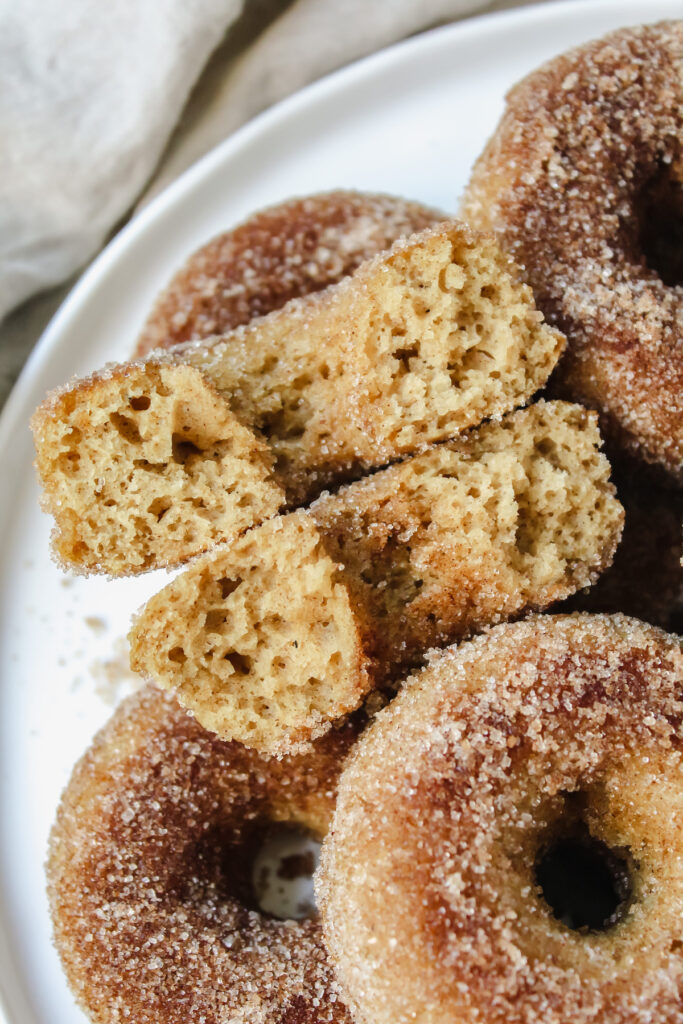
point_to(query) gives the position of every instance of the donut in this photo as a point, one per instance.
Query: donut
(271, 638)
(149, 875)
(507, 844)
(140, 464)
(583, 182)
(281, 253)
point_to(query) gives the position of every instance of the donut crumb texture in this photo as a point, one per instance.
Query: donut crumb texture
(144, 465)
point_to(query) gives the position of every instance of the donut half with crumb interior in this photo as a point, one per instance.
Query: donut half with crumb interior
(138, 463)
(507, 844)
(270, 639)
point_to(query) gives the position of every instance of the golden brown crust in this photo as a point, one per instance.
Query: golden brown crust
(289, 250)
(274, 637)
(148, 868)
(484, 759)
(583, 181)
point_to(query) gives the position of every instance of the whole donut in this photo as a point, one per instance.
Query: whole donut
(149, 876)
(289, 250)
(559, 736)
(583, 180)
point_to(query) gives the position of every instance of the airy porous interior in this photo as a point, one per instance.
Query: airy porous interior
(146, 466)
(418, 345)
(514, 516)
(257, 639)
(453, 337)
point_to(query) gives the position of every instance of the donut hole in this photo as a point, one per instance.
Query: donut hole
(586, 884)
(265, 866)
(659, 209)
(282, 873)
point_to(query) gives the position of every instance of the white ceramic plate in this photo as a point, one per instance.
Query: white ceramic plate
(409, 120)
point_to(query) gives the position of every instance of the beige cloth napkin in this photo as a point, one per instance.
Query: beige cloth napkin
(308, 40)
(90, 92)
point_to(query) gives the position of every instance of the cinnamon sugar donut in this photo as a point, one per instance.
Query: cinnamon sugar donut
(539, 758)
(583, 180)
(284, 252)
(149, 876)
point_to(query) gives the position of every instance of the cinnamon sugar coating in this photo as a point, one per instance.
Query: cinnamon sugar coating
(149, 876)
(428, 890)
(583, 181)
(287, 251)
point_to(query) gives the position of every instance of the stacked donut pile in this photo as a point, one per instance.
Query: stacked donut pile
(324, 423)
